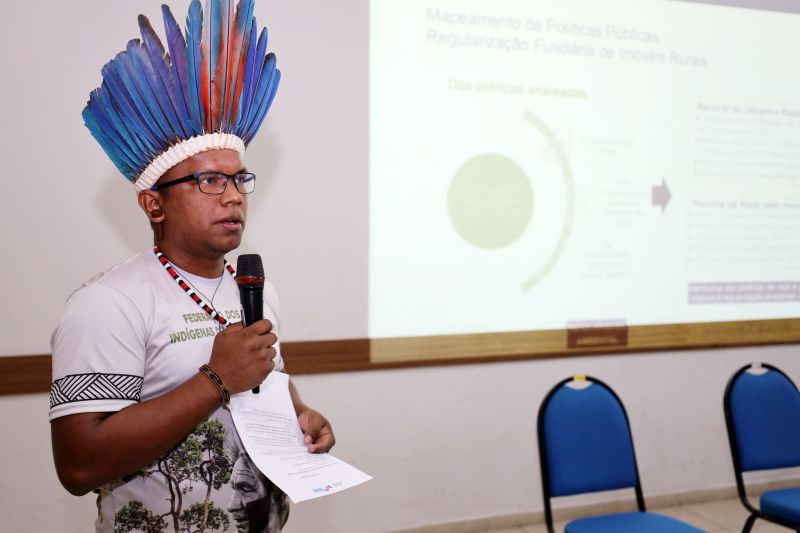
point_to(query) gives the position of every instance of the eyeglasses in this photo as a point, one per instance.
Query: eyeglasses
(215, 182)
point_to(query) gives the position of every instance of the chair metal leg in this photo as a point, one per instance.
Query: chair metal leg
(748, 525)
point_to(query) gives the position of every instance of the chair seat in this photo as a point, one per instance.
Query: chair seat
(629, 523)
(783, 503)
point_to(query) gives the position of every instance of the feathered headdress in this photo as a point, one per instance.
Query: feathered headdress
(211, 91)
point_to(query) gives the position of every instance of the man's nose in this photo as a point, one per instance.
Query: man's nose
(231, 194)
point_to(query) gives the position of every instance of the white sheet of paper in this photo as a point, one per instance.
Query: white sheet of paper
(271, 434)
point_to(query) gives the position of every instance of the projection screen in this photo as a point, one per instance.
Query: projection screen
(581, 166)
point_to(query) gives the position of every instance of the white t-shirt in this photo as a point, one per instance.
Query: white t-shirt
(132, 334)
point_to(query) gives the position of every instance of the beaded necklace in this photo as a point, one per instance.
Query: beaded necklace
(193, 293)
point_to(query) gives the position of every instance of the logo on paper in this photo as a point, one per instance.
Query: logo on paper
(328, 488)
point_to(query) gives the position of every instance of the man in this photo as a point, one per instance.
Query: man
(147, 355)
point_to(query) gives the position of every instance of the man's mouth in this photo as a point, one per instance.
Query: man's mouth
(233, 223)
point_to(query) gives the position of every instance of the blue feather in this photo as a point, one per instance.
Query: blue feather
(104, 132)
(269, 95)
(213, 34)
(261, 52)
(118, 93)
(137, 145)
(124, 70)
(132, 142)
(237, 59)
(194, 57)
(144, 78)
(260, 95)
(159, 79)
(258, 67)
(178, 69)
(247, 84)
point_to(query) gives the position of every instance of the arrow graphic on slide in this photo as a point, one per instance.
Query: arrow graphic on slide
(661, 195)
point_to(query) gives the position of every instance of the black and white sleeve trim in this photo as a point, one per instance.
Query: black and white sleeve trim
(96, 386)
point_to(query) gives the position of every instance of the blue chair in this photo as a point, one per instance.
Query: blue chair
(585, 445)
(762, 412)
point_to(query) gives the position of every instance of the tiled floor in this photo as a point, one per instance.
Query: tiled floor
(721, 516)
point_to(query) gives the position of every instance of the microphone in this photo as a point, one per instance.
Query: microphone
(250, 279)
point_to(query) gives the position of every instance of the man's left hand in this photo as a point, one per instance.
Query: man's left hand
(318, 432)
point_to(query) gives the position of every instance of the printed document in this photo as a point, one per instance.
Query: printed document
(271, 434)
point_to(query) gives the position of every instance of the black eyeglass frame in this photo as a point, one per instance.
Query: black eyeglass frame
(196, 177)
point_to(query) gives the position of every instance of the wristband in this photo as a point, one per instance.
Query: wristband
(217, 381)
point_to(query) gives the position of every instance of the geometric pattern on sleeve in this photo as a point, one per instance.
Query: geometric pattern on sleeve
(96, 386)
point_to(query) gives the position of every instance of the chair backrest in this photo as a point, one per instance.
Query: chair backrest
(585, 442)
(762, 411)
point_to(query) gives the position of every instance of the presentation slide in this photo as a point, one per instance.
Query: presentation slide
(539, 165)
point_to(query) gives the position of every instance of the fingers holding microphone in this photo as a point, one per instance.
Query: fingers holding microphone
(244, 356)
(270, 339)
(261, 339)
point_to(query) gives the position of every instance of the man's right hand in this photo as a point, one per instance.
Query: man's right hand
(243, 357)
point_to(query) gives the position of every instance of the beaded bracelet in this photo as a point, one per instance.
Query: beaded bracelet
(217, 381)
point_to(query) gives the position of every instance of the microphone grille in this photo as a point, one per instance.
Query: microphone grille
(249, 266)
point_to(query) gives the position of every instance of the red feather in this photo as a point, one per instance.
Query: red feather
(240, 38)
(219, 49)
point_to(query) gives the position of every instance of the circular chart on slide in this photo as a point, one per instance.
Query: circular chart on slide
(495, 200)
(490, 201)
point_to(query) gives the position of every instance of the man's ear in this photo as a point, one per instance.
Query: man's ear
(150, 202)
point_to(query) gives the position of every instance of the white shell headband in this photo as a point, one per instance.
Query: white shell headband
(211, 91)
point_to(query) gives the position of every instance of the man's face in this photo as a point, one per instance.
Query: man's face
(250, 504)
(204, 224)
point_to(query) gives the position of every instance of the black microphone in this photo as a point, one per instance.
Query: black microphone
(250, 278)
